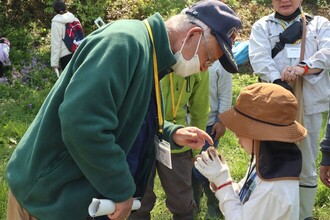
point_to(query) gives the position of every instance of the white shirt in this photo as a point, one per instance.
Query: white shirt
(220, 91)
(4, 54)
(58, 48)
(316, 88)
(275, 200)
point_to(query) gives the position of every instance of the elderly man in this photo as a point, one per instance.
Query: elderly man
(179, 90)
(285, 51)
(105, 110)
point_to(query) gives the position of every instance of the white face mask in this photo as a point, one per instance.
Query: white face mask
(185, 67)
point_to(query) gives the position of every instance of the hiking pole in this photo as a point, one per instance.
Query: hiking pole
(100, 207)
(57, 72)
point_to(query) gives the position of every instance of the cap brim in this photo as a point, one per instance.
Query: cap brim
(227, 60)
(249, 128)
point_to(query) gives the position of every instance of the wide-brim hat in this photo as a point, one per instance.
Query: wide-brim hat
(224, 24)
(266, 112)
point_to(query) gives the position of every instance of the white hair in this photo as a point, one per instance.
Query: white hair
(183, 22)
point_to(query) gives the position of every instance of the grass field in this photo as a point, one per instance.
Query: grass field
(19, 104)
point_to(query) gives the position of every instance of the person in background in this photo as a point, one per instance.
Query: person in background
(263, 119)
(4, 55)
(220, 84)
(59, 54)
(325, 161)
(282, 52)
(96, 133)
(220, 101)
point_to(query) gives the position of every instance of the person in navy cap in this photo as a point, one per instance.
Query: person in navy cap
(97, 131)
(207, 20)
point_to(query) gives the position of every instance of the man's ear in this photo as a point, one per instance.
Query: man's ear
(193, 32)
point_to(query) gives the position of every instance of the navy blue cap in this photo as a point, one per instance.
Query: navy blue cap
(224, 23)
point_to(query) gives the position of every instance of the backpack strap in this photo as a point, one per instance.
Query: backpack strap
(279, 46)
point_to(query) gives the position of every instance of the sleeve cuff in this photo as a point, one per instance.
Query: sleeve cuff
(325, 161)
(325, 149)
(225, 192)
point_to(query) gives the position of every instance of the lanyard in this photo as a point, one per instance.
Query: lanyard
(248, 187)
(282, 24)
(157, 86)
(175, 107)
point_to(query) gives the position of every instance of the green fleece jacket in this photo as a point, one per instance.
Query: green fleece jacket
(195, 94)
(76, 147)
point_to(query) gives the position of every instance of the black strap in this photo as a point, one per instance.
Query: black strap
(279, 46)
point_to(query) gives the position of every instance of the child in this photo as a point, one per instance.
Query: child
(263, 119)
(4, 54)
(60, 55)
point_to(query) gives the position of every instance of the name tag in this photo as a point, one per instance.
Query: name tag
(292, 51)
(163, 152)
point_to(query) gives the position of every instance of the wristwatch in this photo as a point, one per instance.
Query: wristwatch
(304, 66)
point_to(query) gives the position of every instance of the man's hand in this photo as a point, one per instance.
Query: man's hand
(325, 175)
(210, 165)
(123, 210)
(192, 137)
(218, 129)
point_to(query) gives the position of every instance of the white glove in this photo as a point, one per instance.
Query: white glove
(210, 165)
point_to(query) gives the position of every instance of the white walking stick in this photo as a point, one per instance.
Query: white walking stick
(57, 72)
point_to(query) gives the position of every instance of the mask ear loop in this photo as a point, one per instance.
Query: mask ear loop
(188, 78)
(184, 42)
(199, 41)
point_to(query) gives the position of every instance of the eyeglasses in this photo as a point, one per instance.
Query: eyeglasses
(209, 61)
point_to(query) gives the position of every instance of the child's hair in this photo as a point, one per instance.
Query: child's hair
(4, 40)
(59, 6)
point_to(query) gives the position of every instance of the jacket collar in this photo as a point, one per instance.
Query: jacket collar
(165, 57)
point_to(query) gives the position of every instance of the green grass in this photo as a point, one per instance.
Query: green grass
(236, 158)
(19, 105)
(237, 161)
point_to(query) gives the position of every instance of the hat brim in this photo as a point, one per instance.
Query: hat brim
(227, 60)
(249, 128)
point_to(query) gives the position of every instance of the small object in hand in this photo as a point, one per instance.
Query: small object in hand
(212, 150)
